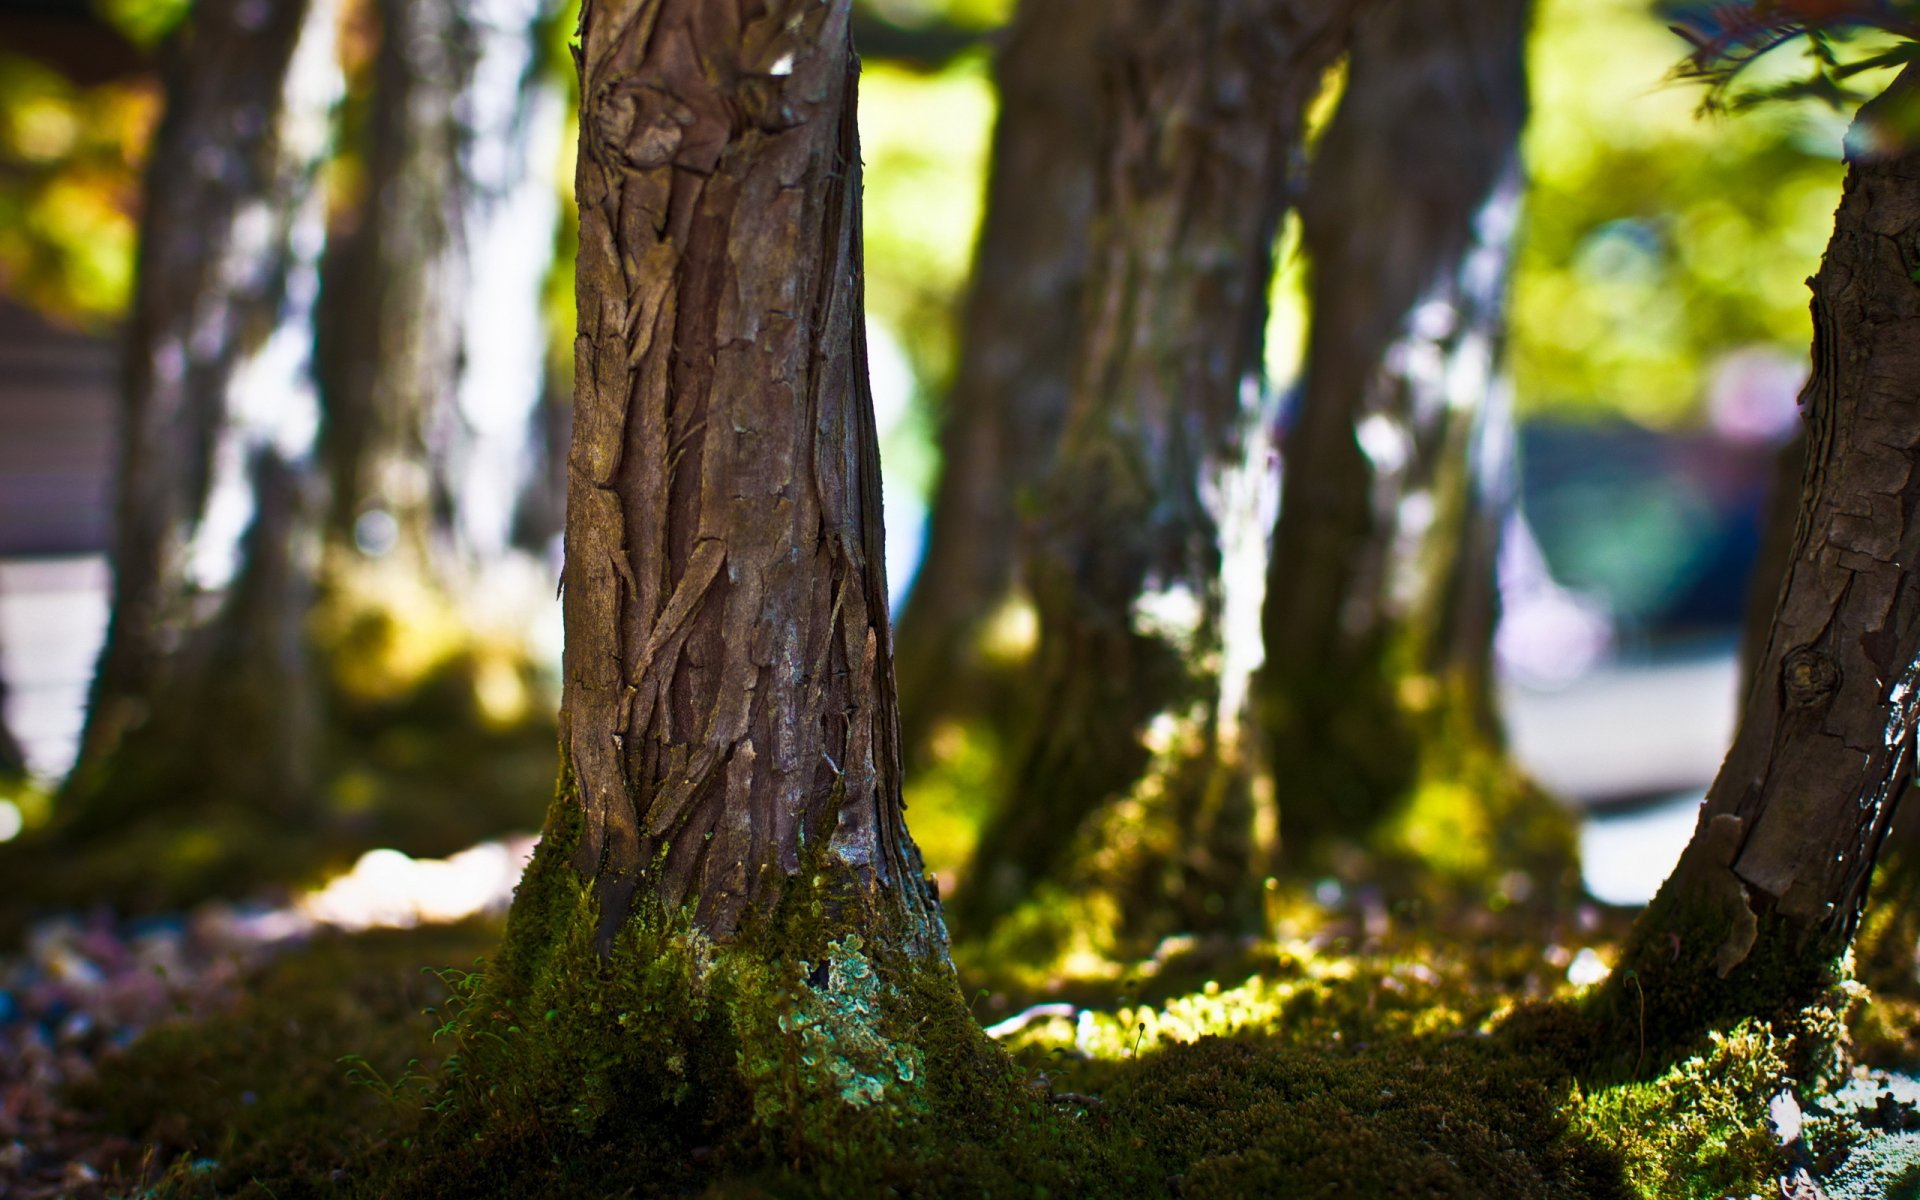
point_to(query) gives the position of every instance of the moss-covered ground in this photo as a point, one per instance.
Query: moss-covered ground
(1352, 1055)
(1372, 1040)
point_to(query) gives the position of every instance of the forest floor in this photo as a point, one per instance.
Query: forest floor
(273, 1050)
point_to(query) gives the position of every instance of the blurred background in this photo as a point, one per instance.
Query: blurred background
(1658, 340)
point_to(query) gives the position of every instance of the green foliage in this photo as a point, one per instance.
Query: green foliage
(1656, 241)
(145, 22)
(69, 182)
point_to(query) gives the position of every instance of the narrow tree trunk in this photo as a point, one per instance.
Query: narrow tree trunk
(1009, 397)
(1768, 893)
(389, 339)
(13, 760)
(1380, 599)
(214, 422)
(1204, 108)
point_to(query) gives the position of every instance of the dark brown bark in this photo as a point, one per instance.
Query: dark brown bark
(1204, 103)
(1770, 564)
(1009, 396)
(389, 336)
(231, 166)
(728, 711)
(1380, 596)
(1768, 893)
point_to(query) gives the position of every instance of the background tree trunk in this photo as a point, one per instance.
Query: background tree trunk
(389, 336)
(13, 760)
(728, 714)
(1380, 603)
(1768, 893)
(189, 707)
(1009, 395)
(1205, 102)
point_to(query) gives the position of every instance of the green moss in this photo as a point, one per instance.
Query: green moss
(1255, 1116)
(1409, 1066)
(1392, 776)
(1698, 960)
(805, 1055)
(257, 1101)
(1698, 1130)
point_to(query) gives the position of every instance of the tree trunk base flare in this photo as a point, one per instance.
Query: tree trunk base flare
(1758, 918)
(1408, 786)
(214, 791)
(674, 1059)
(1185, 849)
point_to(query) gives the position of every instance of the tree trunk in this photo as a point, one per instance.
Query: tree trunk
(389, 338)
(1380, 601)
(13, 760)
(1204, 104)
(728, 714)
(189, 709)
(1775, 552)
(727, 852)
(1767, 895)
(1017, 339)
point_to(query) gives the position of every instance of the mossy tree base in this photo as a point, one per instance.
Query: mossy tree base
(1702, 957)
(799, 1044)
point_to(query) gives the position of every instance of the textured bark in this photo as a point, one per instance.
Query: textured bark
(1768, 893)
(1770, 563)
(1017, 339)
(231, 168)
(1382, 573)
(728, 709)
(389, 336)
(1204, 103)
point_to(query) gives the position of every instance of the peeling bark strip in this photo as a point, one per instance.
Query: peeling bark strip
(1383, 559)
(1770, 889)
(729, 697)
(1017, 338)
(1204, 104)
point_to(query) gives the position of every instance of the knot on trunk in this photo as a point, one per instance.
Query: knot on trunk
(1809, 676)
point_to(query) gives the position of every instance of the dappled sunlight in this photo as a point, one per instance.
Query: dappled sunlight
(389, 890)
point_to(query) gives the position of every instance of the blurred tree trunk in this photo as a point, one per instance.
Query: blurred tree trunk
(1381, 599)
(729, 710)
(1204, 107)
(1017, 340)
(13, 760)
(1768, 893)
(201, 696)
(389, 332)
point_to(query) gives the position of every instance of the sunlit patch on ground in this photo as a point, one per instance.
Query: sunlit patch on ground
(388, 889)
